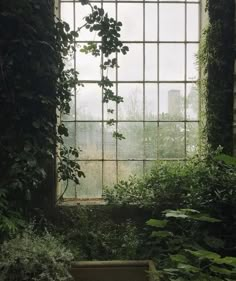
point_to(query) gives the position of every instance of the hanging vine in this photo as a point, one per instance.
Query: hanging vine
(35, 90)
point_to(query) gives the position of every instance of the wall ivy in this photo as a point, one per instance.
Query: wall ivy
(217, 62)
(35, 90)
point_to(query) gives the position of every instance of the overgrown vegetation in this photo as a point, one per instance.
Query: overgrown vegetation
(33, 257)
(192, 203)
(216, 60)
(35, 91)
(97, 233)
(204, 182)
(186, 249)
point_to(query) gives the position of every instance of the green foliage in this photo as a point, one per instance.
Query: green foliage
(216, 59)
(185, 250)
(205, 183)
(35, 91)
(94, 234)
(31, 257)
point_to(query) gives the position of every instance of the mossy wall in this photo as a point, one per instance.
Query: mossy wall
(234, 125)
(218, 64)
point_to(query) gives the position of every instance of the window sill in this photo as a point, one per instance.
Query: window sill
(82, 202)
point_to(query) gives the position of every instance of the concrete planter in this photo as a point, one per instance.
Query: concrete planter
(114, 271)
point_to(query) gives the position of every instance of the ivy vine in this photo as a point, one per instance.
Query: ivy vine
(217, 63)
(35, 91)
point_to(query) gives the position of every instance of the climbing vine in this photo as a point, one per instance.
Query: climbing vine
(217, 62)
(35, 91)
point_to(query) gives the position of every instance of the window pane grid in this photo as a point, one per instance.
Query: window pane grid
(157, 79)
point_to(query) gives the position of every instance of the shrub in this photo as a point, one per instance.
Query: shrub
(96, 233)
(32, 257)
(185, 250)
(202, 182)
(205, 183)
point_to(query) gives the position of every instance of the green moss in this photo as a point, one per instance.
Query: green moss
(216, 59)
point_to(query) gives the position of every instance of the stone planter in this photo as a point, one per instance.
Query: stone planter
(113, 271)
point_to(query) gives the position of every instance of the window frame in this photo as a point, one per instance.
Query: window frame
(184, 121)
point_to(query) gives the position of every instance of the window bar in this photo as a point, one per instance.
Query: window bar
(200, 27)
(75, 88)
(185, 78)
(116, 89)
(144, 92)
(158, 77)
(102, 73)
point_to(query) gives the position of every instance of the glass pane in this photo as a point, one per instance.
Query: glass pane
(192, 102)
(110, 9)
(172, 62)
(192, 22)
(131, 65)
(91, 186)
(132, 107)
(67, 14)
(68, 188)
(132, 146)
(88, 66)
(151, 101)
(192, 68)
(109, 142)
(70, 140)
(191, 138)
(128, 168)
(151, 23)
(150, 62)
(172, 26)
(81, 11)
(148, 166)
(129, 30)
(89, 102)
(150, 140)
(109, 173)
(171, 140)
(89, 139)
(171, 101)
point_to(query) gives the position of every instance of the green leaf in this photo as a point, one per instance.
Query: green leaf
(204, 218)
(204, 254)
(188, 268)
(220, 270)
(176, 214)
(229, 261)
(161, 234)
(157, 223)
(179, 258)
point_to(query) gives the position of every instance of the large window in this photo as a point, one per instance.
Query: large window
(157, 78)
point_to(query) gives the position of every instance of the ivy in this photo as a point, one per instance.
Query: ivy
(35, 92)
(217, 62)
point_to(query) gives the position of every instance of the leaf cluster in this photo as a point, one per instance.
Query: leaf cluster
(33, 257)
(185, 250)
